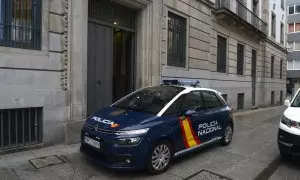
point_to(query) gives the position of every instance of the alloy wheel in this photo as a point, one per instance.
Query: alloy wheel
(228, 134)
(161, 157)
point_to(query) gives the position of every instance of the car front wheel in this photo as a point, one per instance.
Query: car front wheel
(227, 135)
(160, 158)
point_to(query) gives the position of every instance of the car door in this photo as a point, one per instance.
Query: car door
(213, 116)
(189, 123)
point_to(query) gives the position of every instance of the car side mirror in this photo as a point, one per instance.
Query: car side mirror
(190, 112)
(287, 103)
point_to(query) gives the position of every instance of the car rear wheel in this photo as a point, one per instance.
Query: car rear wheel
(227, 135)
(160, 158)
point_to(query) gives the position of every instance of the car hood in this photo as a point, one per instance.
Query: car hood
(112, 118)
(293, 113)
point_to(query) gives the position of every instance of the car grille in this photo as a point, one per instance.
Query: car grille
(97, 129)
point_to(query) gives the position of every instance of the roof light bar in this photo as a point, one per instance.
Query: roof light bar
(193, 83)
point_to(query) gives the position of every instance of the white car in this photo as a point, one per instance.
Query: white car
(289, 128)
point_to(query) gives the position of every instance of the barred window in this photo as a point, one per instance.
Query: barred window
(272, 66)
(240, 59)
(176, 40)
(20, 24)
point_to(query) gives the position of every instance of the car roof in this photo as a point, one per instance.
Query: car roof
(191, 88)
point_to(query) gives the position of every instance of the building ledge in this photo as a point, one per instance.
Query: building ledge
(236, 14)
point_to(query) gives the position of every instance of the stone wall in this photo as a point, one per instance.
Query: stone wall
(203, 29)
(32, 78)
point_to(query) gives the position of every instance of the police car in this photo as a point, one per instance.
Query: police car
(150, 126)
(289, 128)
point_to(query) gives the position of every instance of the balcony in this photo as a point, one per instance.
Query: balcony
(238, 14)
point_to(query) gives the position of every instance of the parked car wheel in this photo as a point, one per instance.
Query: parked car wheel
(160, 158)
(227, 135)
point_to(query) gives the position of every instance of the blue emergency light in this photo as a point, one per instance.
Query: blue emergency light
(193, 83)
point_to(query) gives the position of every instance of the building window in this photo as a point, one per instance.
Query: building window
(290, 65)
(240, 102)
(222, 54)
(297, 8)
(281, 68)
(282, 33)
(176, 40)
(291, 28)
(290, 46)
(297, 46)
(272, 66)
(240, 59)
(254, 6)
(273, 23)
(291, 9)
(293, 65)
(295, 27)
(281, 97)
(272, 98)
(20, 24)
(296, 65)
(253, 65)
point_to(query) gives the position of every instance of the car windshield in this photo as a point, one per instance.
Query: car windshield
(151, 99)
(296, 102)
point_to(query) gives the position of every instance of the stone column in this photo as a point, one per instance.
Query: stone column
(78, 19)
(148, 44)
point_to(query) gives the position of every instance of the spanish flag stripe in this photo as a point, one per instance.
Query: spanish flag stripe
(193, 132)
(183, 134)
(188, 132)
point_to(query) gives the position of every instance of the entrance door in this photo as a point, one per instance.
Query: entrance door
(99, 67)
(123, 63)
(253, 75)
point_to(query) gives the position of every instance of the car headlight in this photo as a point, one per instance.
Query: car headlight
(133, 132)
(128, 141)
(289, 123)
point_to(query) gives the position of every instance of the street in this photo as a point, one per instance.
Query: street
(253, 148)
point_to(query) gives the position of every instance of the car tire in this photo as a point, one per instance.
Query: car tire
(285, 155)
(160, 157)
(227, 135)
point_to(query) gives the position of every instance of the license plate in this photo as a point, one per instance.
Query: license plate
(92, 142)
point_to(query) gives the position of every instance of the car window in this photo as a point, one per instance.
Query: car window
(296, 102)
(193, 101)
(151, 99)
(175, 108)
(211, 100)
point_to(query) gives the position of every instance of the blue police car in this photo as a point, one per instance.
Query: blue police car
(150, 126)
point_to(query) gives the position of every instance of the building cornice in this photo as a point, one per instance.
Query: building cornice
(277, 45)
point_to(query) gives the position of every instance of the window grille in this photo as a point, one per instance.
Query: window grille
(176, 40)
(20, 24)
(20, 127)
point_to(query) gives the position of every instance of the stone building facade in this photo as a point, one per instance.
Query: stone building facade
(80, 66)
(293, 44)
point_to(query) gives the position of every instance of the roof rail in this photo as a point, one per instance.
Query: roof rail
(193, 83)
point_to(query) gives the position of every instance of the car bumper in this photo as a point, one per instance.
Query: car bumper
(288, 143)
(122, 158)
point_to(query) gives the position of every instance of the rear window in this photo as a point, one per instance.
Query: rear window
(211, 99)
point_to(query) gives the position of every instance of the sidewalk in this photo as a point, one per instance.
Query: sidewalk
(252, 149)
